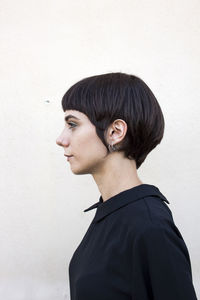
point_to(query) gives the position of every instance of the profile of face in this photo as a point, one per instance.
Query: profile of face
(79, 138)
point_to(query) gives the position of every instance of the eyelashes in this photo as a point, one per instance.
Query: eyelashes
(72, 125)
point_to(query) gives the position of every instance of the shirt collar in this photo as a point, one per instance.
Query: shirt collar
(123, 198)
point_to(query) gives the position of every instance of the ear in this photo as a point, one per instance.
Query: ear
(116, 132)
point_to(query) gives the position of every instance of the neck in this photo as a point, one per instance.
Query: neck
(116, 175)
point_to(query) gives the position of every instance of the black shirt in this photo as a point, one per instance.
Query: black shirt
(132, 250)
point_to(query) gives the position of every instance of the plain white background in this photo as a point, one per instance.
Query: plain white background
(46, 46)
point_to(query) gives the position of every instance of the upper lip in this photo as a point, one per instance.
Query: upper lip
(67, 155)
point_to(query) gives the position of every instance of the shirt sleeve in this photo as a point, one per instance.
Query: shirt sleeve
(161, 268)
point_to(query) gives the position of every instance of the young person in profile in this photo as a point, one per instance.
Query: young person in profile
(132, 248)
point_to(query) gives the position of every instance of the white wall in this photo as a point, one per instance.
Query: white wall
(46, 46)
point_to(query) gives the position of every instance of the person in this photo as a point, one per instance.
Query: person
(132, 249)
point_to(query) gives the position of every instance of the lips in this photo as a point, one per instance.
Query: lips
(67, 155)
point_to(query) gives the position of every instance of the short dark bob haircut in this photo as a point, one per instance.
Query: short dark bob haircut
(107, 97)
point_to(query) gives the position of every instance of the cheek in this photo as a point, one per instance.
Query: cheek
(91, 146)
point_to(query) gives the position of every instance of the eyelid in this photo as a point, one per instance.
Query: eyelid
(72, 124)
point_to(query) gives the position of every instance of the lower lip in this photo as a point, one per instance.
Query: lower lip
(68, 158)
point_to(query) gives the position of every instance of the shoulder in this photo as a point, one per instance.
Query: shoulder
(149, 214)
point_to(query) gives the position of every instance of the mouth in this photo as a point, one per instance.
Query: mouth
(68, 157)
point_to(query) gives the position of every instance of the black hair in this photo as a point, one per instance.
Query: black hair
(107, 97)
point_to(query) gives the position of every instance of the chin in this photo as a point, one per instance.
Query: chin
(79, 171)
(82, 171)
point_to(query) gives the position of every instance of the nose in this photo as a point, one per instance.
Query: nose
(62, 140)
(59, 141)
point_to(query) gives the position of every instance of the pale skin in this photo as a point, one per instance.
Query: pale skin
(112, 172)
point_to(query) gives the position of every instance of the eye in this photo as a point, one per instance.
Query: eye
(72, 125)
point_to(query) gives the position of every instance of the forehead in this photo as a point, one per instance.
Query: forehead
(76, 114)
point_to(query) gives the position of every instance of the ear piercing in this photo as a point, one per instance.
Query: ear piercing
(112, 148)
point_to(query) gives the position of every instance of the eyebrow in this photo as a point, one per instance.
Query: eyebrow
(69, 117)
